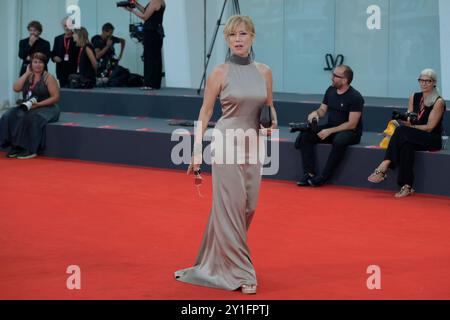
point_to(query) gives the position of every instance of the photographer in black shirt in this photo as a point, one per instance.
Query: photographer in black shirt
(34, 43)
(104, 50)
(344, 106)
(152, 15)
(64, 55)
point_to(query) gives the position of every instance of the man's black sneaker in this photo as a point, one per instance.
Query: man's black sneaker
(26, 155)
(303, 182)
(316, 181)
(13, 153)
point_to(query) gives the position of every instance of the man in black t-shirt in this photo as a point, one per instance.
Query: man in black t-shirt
(344, 106)
(34, 43)
(104, 50)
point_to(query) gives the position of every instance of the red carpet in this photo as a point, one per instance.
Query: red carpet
(130, 228)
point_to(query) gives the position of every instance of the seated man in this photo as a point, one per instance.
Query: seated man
(344, 106)
(104, 52)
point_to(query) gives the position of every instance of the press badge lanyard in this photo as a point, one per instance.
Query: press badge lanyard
(31, 88)
(79, 59)
(422, 109)
(66, 48)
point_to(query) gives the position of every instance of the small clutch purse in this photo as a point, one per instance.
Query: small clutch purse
(265, 118)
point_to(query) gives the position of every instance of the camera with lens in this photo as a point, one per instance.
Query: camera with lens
(126, 4)
(305, 126)
(137, 31)
(413, 118)
(27, 105)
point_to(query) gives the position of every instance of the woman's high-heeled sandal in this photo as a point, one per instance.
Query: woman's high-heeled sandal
(248, 288)
(377, 176)
(405, 191)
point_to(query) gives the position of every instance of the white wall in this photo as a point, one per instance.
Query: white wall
(8, 54)
(444, 14)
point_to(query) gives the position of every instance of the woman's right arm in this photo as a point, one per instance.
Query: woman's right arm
(213, 88)
(148, 12)
(140, 7)
(18, 85)
(411, 103)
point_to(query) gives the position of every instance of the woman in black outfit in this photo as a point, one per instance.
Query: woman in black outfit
(153, 15)
(23, 127)
(86, 61)
(425, 135)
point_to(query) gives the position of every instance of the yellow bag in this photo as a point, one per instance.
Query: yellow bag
(388, 133)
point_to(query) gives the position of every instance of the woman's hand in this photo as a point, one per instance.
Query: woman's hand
(195, 165)
(29, 71)
(268, 131)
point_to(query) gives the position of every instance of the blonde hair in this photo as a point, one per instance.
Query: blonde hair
(434, 94)
(233, 23)
(83, 36)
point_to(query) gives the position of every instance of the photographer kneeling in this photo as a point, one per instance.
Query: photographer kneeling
(344, 106)
(23, 127)
(424, 134)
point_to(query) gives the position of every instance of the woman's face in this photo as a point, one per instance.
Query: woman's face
(240, 41)
(426, 83)
(37, 66)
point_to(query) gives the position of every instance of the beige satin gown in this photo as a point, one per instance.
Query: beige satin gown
(224, 258)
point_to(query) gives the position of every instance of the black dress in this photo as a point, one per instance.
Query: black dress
(153, 42)
(84, 65)
(26, 129)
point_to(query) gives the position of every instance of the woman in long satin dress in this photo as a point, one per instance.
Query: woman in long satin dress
(243, 87)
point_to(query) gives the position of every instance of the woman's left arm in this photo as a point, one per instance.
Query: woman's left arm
(92, 59)
(53, 89)
(434, 118)
(267, 74)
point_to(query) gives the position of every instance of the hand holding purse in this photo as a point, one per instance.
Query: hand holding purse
(265, 118)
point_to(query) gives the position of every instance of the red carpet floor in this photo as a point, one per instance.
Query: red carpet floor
(129, 229)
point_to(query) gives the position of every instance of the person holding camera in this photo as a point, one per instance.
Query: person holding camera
(85, 77)
(244, 87)
(65, 54)
(108, 64)
(23, 127)
(152, 15)
(344, 106)
(422, 134)
(34, 43)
